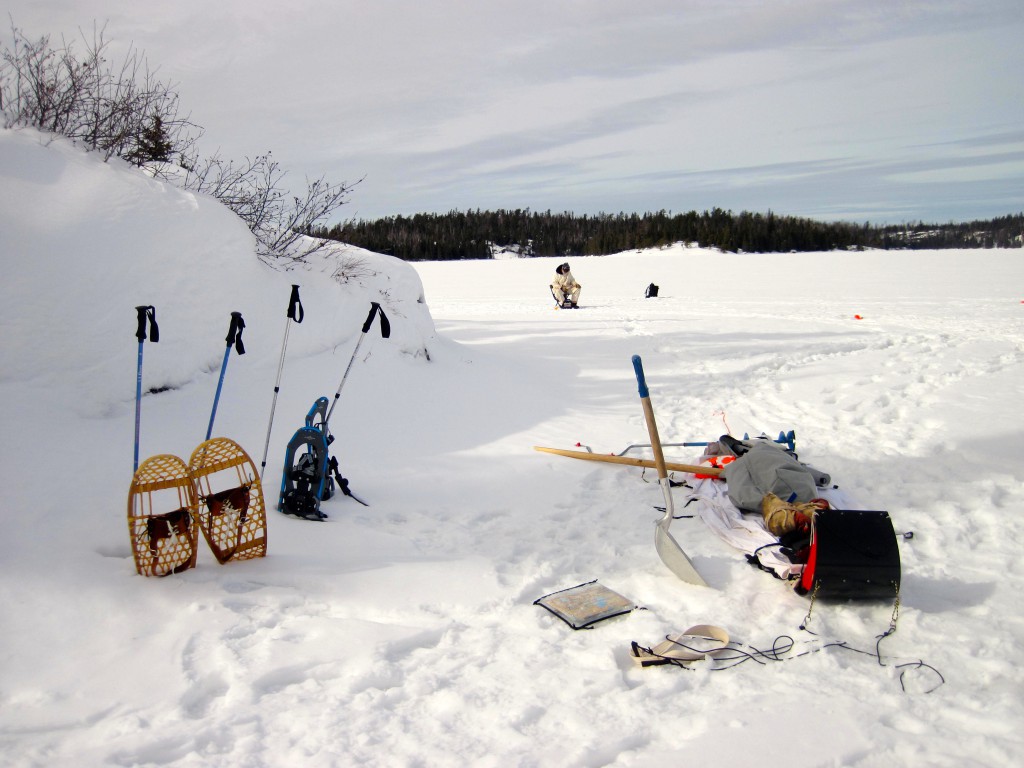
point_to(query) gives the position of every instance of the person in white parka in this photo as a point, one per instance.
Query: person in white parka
(565, 286)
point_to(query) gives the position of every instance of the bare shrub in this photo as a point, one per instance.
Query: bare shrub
(352, 269)
(123, 111)
(128, 112)
(252, 189)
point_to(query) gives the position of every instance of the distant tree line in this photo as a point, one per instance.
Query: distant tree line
(1001, 232)
(478, 234)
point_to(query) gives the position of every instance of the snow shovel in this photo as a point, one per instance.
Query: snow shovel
(668, 548)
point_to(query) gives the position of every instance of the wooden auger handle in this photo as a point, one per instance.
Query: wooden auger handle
(610, 459)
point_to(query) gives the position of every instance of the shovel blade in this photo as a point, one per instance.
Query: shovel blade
(673, 556)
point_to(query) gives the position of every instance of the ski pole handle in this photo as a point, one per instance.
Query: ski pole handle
(147, 312)
(641, 382)
(140, 332)
(374, 308)
(235, 332)
(385, 324)
(295, 311)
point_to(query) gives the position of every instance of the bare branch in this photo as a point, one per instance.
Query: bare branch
(128, 112)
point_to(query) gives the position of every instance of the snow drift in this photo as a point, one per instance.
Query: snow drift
(405, 633)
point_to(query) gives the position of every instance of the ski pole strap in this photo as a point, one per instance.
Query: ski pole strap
(295, 311)
(342, 483)
(147, 313)
(235, 332)
(385, 324)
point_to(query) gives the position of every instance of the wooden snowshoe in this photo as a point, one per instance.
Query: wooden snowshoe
(162, 517)
(230, 507)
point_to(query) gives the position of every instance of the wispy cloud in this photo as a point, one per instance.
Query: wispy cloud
(808, 107)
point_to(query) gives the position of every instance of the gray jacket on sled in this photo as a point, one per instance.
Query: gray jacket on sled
(767, 468)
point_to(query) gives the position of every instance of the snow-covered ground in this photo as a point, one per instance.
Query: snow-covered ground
(404, 633)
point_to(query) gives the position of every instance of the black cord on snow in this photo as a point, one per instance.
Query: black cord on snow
(671, 483)
(681, 663)
(877, 653)
(784, 649)
(755, 560)
(674, 517)
(688, 503)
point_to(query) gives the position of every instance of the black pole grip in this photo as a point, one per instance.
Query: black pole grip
(147, 312)
(295, 311)
(385, 324)
(374, 309)
(235, 332)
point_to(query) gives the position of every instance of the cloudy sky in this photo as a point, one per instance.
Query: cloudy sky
(866, 110)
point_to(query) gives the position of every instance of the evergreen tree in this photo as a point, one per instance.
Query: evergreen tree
(153, 144)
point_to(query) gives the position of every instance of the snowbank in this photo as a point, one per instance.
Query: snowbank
(405, 633)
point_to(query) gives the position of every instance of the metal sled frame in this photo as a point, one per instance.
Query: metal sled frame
(787, 439)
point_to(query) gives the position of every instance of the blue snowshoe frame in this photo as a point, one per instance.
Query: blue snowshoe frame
(306, 480)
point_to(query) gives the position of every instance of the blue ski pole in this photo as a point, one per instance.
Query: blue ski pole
(146, 313)
(295, 313)
(234, 337)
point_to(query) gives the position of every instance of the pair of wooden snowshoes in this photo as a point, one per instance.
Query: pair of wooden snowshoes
(218, 492)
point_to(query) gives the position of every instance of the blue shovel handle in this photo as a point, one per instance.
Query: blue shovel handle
(641, 382)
